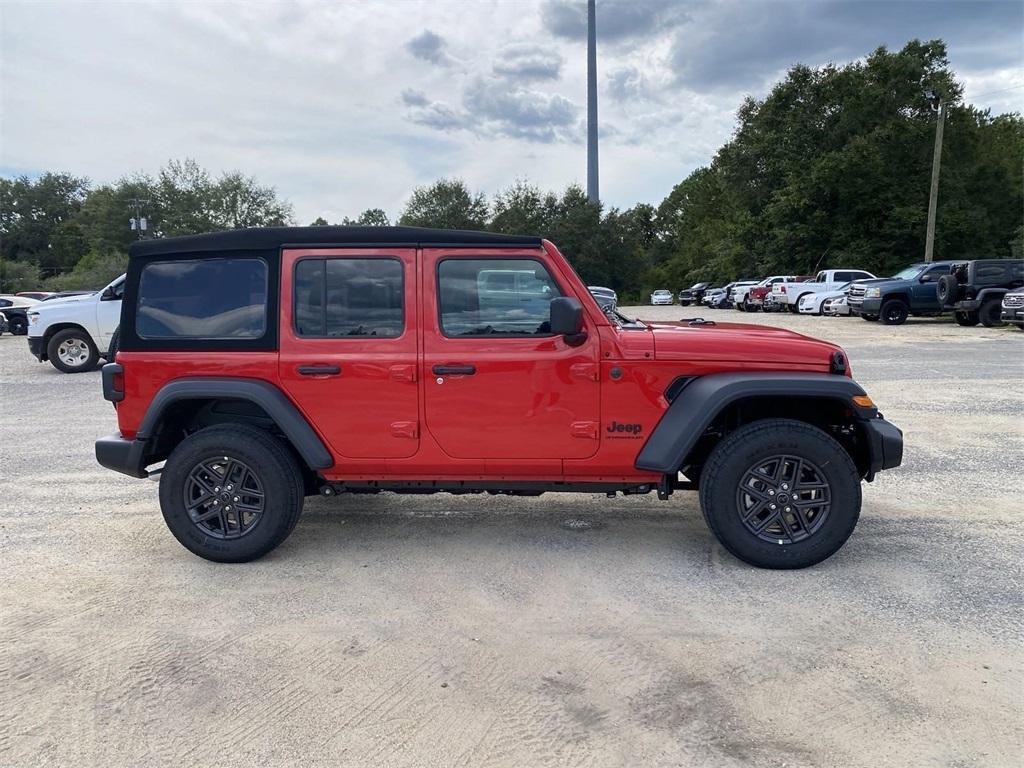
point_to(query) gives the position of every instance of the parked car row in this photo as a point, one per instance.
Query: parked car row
(986, 291)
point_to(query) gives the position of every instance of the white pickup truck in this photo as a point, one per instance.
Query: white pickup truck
(788, 295)
(74, 333)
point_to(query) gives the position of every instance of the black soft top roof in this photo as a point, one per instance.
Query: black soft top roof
(273, 238)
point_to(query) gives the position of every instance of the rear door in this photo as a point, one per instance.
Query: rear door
(349, 347)
(497, 383)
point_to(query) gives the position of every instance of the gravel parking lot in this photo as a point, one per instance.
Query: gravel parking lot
(468, 631)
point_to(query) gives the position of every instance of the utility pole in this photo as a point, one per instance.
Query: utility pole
(138, 222)
(933, 196)
(592, 187)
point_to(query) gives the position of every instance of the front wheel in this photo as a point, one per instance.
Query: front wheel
(72, 351)
(683, 303)
(894, 312)
(231, 493)
(780, 493)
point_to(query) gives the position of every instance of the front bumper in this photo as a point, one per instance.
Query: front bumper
(885, 445)
(1013, 315)
(35, 346)
(864, 306)
(122, 455)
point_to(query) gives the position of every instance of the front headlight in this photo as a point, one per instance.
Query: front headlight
(33, 318)
(872, 293)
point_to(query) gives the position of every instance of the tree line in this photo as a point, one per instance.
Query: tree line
(831, 168)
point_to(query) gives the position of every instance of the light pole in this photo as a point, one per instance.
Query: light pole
(593, 193)
(933, 196)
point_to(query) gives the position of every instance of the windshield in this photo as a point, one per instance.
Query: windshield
(910, 272)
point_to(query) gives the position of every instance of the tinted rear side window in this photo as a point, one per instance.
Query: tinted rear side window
(342, 297)
(202, 299)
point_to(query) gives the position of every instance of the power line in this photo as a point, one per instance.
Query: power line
(1001, 90)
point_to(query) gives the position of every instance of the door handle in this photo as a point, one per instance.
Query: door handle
(319, 370)
(454, 370)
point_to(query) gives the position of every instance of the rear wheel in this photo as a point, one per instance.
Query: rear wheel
(990, 314)
(966, 319)
(231, 493)
(894, 312)
(17, 325)
(72, 351)
(780, 493)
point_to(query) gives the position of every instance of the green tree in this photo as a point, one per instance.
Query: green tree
(445, 204)
(371, 217)
(32, 212)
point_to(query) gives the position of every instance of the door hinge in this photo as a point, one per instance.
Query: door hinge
(403, 372)
(405, 429)
(586, 371)
(587, 429)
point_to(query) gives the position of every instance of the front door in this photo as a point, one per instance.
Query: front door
(349, 347)
(497, 383)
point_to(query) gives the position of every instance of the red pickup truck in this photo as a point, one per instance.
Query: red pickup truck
(257, 367)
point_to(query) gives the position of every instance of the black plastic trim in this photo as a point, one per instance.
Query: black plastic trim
(122, 455)
(702, 400)
(268, 397)
(885, 442)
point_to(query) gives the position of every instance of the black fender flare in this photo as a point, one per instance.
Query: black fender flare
(261, 393)
(695, 407)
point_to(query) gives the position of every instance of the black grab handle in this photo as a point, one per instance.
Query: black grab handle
(319, 370)
(454, 370)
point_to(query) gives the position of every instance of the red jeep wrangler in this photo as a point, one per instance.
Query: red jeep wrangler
(261, 366)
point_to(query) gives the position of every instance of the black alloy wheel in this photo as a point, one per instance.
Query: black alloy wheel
(783, 499)
(224, 497)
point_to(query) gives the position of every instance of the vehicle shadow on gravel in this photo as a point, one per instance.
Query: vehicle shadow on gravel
(899, 569)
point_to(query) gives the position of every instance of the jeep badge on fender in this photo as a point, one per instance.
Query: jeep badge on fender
(259, 366)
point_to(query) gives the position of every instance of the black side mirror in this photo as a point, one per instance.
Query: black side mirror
(567, 320)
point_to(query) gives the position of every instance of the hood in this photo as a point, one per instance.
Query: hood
(739, 342)
(65, 301)
(877, 280)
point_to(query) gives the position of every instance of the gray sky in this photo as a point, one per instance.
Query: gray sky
(344, 106)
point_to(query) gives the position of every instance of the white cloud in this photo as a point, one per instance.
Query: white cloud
(326, 102)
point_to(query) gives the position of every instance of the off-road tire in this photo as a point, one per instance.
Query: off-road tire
(272, 463)
(966, 319)
(683, 303)
(748, 306)
(990, 314)
(115, 342)
(74, 338)
(730, 462)
(17, 326)
(894, 312)
(946, 290)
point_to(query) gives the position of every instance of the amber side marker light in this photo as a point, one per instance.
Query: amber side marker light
(863, 401)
